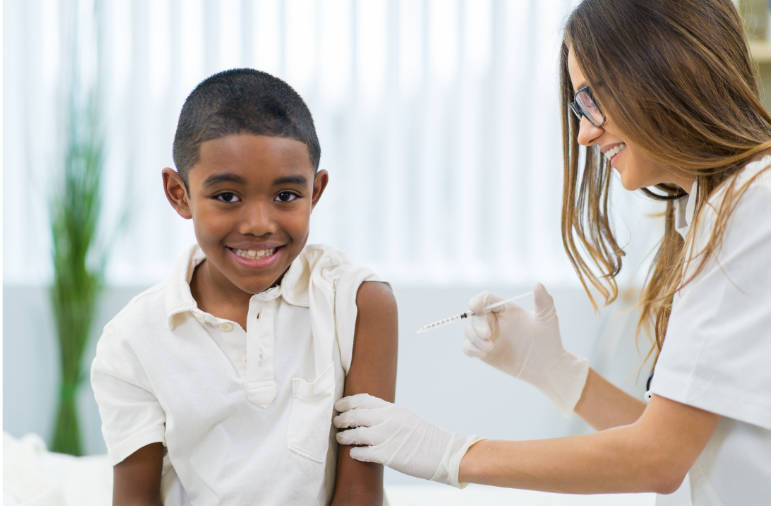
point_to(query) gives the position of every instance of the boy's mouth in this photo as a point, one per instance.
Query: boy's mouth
(256, 258)
(253, 254)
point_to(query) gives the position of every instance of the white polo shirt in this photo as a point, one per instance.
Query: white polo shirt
(246, 415)
(717, 351)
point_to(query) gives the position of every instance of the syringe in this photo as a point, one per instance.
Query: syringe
(467, 314)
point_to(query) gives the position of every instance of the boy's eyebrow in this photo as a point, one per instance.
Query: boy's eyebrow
(298, 180)
(223, 178)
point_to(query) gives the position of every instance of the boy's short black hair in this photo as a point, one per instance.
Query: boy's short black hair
(241, 101)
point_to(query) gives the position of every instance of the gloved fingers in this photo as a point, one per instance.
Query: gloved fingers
(359, 417)
(481, 300)
(360, 401)
(479, 327)
(470, 350)
(366, 454)
(359, 436)
(478, 333)
(543, 302)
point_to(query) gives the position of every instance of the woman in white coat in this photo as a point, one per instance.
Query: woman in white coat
(665, 93)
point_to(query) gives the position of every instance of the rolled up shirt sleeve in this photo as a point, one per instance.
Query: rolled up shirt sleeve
(131, 415)
(717, 351)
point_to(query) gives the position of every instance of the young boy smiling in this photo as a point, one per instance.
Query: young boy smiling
(218, 385)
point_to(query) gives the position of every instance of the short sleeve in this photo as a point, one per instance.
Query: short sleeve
(131, 415)
(717, 351)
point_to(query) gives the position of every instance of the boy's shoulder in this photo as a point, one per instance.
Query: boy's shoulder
(321, 264)
(327, 275)
(146, 310)
(154, 309)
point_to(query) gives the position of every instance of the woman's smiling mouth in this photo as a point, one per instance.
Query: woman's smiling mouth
(613, 152)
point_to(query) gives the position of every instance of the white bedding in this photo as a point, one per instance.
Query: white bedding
(33, 476)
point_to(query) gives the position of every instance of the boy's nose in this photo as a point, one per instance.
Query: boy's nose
(588, 133)
(256, 219)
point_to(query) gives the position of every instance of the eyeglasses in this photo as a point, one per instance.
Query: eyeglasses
(585, 106)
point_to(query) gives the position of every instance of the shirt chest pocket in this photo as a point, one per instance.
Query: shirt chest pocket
(311, 418)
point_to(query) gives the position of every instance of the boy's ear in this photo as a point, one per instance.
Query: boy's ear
(319, 184)
(176, 192)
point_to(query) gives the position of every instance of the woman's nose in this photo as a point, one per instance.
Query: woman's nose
(588, 133)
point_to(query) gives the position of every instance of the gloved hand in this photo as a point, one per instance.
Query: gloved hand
(400, 439)
(527, 345)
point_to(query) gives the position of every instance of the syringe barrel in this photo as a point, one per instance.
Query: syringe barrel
(446, 321)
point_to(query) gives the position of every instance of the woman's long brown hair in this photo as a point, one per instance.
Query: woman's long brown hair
(676, 76)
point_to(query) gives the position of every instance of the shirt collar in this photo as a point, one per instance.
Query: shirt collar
(179, 299)
(684, 209)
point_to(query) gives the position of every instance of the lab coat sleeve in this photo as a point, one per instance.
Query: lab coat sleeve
(717, 351)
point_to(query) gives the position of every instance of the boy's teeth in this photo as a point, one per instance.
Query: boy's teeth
(252, 254)
(614, 151)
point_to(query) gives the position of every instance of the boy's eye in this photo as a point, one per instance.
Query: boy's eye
(227, 197)
(286, 197)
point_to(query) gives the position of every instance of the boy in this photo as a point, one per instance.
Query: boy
(226, 374)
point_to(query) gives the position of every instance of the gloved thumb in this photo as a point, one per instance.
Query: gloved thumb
(543, 302)
(364, 454)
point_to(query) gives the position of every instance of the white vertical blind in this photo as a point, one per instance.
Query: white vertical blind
(438, 120)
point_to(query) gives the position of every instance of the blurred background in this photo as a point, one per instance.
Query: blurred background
(439, 123)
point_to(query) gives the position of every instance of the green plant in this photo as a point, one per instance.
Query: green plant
(78, 269)
(78, 257)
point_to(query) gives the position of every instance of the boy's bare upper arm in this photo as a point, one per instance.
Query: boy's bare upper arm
(137, 480)
(375, 344)
(373, 371)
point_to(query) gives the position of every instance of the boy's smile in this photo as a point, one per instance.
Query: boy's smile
(250, 198)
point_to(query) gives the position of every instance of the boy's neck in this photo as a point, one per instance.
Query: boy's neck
(213, 297)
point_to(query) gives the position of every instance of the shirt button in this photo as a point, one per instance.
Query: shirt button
(244, 361)
(226, 327)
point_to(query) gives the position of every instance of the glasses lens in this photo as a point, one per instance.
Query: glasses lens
(588, 107)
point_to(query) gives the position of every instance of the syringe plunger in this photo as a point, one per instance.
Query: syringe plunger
(467, 314)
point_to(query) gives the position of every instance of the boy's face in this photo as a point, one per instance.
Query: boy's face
(250, 198)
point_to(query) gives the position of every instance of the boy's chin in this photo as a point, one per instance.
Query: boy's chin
(254, 286)
(258, 283)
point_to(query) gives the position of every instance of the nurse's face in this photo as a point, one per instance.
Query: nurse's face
(637, 168)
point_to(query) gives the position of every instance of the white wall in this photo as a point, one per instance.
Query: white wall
(439, 124)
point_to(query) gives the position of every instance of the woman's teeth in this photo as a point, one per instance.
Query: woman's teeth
(252, 254)
(614, 151)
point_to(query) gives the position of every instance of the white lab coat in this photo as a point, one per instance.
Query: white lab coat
(717, 351)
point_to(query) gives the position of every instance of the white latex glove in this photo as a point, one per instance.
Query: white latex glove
(527, 345)
(400, 439)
